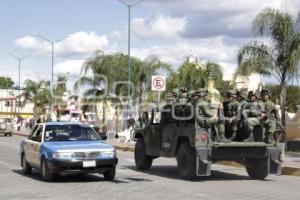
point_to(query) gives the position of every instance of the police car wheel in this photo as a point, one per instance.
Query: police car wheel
(45, 172)
(25, 166)
(186, 162)
(142, 160)
(110, 174)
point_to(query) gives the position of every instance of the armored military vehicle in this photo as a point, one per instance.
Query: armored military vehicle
(173, 131)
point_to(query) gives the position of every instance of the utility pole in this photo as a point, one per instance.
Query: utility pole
(19, 77)
(52, 63)
(129, 6)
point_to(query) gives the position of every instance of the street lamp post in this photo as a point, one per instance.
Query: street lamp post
(52, 42)
(19, 78)
(129, 6)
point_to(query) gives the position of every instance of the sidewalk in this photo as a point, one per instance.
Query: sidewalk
(290, 165)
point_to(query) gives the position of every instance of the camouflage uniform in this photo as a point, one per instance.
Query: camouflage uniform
(232, 114)
(270, 107)
(242, 103)
(183, 95)
(252, 114)
(206, 115)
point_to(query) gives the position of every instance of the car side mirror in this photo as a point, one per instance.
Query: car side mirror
(103, 137)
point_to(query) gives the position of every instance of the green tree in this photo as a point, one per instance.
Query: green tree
(6, 82)
(38, 93)
(60, 89)
(105, 77)
(293, 96)
(279, 57)
(194, 76)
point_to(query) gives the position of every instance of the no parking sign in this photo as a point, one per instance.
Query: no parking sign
(158, 83)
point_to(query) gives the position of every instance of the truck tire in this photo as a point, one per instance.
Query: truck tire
(258, 169)
(186, 162)
(25, 166)
(110, 174)
(142, 160)
(45, 172)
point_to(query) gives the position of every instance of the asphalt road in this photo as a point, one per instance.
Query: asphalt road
(160, 182)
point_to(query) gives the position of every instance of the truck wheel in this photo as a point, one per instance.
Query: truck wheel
(257, 169)
(142, 160)
(25, 166)
(5, 134)
(110, 174)
(10, 134)
(45, 172)
(186, 162)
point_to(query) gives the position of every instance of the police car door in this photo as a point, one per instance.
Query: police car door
(28, 146)
(36, 144)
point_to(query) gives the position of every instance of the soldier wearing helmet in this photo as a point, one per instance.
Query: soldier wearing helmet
(252, 114)
(206, 117)
(270, 108)
(232, 114)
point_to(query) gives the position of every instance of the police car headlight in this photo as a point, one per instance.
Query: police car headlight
(108, 153)
(63, 155)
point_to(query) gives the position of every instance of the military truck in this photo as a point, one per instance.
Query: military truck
(169, 133)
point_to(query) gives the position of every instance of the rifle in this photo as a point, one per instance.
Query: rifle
(272, 117)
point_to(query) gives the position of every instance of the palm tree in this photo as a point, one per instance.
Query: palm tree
(60, 89)
(278, 55)
(142, 74)
(193, 77)
(38, 94)
(108, 77)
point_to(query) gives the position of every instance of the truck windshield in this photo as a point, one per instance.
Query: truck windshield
(69, 133)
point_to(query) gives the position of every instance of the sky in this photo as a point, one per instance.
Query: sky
(171, 29)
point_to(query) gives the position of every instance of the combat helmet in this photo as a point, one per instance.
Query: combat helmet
(265, 92)
(241, 94)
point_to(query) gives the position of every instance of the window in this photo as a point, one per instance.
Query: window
(7, 103)
(37, 135)
(156, 117)
(69, 132)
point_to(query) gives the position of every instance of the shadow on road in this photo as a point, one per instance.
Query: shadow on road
(171, 172)
(77, 178)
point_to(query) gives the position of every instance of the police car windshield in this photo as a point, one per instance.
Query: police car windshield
(72, 132)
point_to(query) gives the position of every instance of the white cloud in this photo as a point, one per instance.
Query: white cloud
(79, 44)
(161, 27)
(72, 67)
(213, 49)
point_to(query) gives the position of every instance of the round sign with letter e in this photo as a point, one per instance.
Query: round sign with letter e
(158, 83)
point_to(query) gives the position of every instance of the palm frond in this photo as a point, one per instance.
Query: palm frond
(255, 57)
(275, 24)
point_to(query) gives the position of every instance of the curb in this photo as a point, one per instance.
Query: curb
(291, 171)
(123, 148)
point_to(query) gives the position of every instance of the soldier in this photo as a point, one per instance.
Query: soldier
(183, 95)
(232, 114)
(192, 96)
(242, 99)
(206, 118)
(270, 109)
(252, 114)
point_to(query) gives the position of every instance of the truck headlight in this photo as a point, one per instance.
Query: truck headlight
(63, 155)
